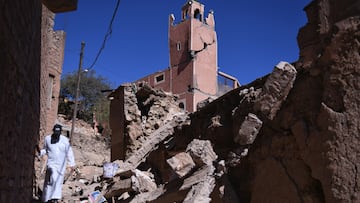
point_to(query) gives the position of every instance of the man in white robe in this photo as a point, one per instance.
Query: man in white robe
(59, 152)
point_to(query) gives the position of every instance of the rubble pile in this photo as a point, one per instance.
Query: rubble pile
(290, 136)
(91, 152)
(145, 111)
(190, 172)
(170, 162)
(81, 127)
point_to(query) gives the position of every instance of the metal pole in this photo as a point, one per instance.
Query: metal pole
(77, 90)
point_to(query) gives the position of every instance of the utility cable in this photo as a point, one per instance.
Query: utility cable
(107, 35)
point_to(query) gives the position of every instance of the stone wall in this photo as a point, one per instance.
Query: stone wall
(52, 57)
(20, 36)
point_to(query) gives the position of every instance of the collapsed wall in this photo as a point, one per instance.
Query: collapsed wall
(291, 136)
(136, 111)
(187, 161)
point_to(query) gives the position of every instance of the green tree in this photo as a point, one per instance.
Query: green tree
(91, 100)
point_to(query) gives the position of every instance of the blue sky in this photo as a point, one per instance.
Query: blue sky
(253, 36)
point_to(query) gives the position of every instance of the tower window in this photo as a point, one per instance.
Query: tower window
(197, 14)
(185, 14)
(178, 46)
(159, 78)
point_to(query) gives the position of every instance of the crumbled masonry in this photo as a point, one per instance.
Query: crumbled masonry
(181, 163)
(276, 89)
(248, 130)
(178, 167)
(290, 136)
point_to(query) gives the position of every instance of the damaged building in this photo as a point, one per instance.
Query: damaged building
(290, 136)
(29, 88)
(193, 72)
(52, 58)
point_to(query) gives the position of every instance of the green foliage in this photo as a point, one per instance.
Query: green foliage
(90, 100)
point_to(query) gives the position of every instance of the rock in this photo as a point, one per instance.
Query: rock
(200, 193)
(141, 182)
(233, 159)
(119, 187)
(181, 163)
(148, 196)
(276, 89)
(202, 152)
(248, 131)
(198, 176)
(220, 168)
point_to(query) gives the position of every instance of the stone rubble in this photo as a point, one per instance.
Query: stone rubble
(162, 164)
(276, 89)
(263, 142)
(248, 130)
(181, 163)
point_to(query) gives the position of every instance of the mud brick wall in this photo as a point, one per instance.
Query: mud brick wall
(52, 57)
(20, 36)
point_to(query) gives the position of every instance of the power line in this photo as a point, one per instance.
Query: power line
(107, 35)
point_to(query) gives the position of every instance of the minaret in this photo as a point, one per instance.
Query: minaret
(193, 54)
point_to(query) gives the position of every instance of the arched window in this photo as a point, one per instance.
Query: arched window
(197, 14)
(185, 14)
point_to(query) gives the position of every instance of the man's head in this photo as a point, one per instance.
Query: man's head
(57, 128)
(56, 133)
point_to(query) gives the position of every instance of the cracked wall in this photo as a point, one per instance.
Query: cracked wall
(204, 46)
(193, 70)
(290, 136)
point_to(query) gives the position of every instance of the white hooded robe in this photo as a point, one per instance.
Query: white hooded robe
(58, 155)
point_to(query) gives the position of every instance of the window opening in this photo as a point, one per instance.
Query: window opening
(225, 84)
(185, 14)
(197, 14)
(50, 87)
(159, 78)
(178, 46)
(181, 105)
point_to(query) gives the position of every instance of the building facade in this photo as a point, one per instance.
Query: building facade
(193, 73)
(20, 87)
(52, 57)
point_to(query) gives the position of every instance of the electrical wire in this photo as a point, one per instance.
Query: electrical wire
(107, 35)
